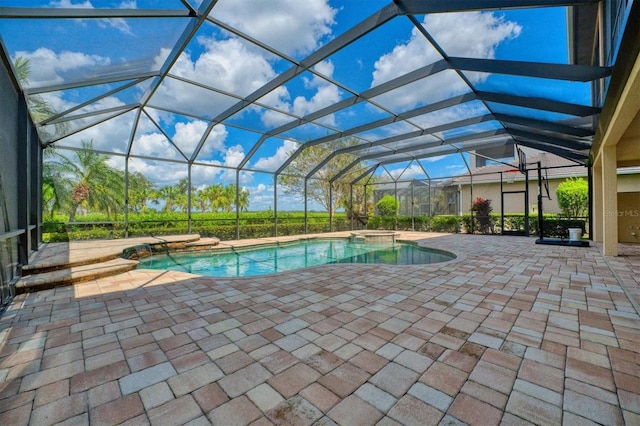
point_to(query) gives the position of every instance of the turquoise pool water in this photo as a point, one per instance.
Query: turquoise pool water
(298, 255)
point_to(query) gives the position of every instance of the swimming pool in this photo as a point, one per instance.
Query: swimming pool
(263, 260)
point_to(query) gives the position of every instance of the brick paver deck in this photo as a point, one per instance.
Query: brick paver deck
(509, 333)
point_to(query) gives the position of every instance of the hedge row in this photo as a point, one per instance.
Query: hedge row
(264, 227)
(444, 223)
(225, 230)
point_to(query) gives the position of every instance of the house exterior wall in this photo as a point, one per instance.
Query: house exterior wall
(514, 203)
(629, 217)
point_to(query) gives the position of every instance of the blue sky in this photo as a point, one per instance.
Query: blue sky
(63, 52)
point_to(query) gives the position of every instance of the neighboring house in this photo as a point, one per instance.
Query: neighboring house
(486, 183)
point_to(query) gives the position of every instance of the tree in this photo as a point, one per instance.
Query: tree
(168, 194)
(243, 198)
(181, 196)
(387, 206)
(141, 191)
(39, 108)
(52, 193)
(573, 197)
(200, 200)
(87, 180)
(292, 180)
(214, 196)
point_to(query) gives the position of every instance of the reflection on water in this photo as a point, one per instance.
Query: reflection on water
(267, 260)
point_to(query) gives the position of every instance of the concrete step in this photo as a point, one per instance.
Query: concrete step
(203, 244)
(59, 256)
(43, 268)
(74, 274)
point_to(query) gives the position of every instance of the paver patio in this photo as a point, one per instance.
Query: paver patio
(509, 333)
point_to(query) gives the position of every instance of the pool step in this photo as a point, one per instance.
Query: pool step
(203, 244)
(73, 274)
(43, 268)
(56, 265)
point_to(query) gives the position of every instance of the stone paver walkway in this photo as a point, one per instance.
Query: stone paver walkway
(509, 333)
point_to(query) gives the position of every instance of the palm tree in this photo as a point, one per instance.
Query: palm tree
(168, 193)
(200, 200)
(141, 191)
(89, 179)
(214, 194)
(181, 199)
(39, 108)
(243, 198)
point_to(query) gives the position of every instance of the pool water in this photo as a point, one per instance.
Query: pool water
(298, 255)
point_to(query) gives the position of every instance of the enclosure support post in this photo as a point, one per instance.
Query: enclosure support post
(395, 195)
(540, 218)
(471, 194)
(275, 205)
(237, 204)
(306, 208)
(413, 219)
(366, 206)
(526, 203)
(37, 154)
(23, 184)
(189, 199)
(330, 207)
(126, 197)
(429, 195)
(351, 203)
(501, 205)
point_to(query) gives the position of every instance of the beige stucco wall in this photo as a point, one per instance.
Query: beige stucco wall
(514, 203)
(628, 217)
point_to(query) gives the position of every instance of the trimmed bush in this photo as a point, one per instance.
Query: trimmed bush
(573, 197)
(387, 206)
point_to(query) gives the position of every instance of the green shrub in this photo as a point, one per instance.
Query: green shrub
(559, 227)
(445, 223)
(573, 197)
(382, 222)
(387, 206)
(220, 225)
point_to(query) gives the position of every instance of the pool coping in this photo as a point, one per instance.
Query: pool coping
(419, 239)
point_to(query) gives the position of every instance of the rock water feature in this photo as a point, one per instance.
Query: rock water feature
(138, 252)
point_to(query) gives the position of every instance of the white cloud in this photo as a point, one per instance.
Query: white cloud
(274, 21)
(272, 163)
(70, 4)
(160, 172)
(117, 23)
(468, 34)
(188, 135)
(411, 172)
(224, 64)
(449, 115)
(231, 66)
(433, 159)
(325, 94)
(235, 155)
(48, 67)
(475, 34)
